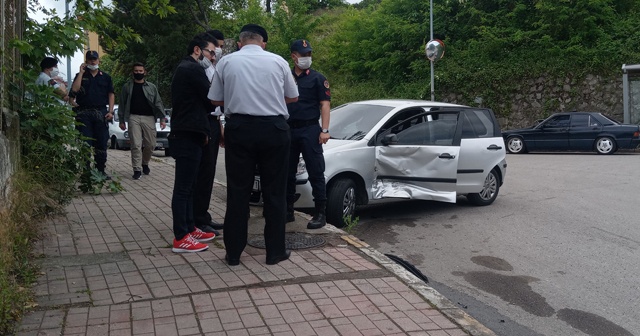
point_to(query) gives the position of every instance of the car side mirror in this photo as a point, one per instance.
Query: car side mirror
(389, 139)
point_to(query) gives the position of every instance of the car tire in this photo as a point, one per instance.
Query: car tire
(167, 152)
(341, 201)
(515, 145)
(605, 145)
(489, 191)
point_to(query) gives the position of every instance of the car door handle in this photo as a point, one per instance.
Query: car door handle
(494, 147)
(447, 156)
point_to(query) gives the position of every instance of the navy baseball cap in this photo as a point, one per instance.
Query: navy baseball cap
(91, 54)
(301, 46)
(254, 28)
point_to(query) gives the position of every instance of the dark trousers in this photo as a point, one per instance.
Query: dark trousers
(206, 175)
(251, 141)
(94, 126)
(305, 140)
(187, 151)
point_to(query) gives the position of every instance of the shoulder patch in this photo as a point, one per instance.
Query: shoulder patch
(326, 83)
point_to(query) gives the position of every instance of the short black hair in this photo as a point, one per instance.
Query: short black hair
(201, 40)
(216, 33)
(140, 64)
(48, 62)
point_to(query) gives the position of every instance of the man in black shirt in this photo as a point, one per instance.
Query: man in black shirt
(93, 91)
(307, 135)
(140, 105)
(190, 132)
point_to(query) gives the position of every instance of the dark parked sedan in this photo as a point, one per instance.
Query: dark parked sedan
(574, 131)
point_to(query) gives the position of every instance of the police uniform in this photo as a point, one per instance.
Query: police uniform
(92, 99)
(253, 84)
(305, 132)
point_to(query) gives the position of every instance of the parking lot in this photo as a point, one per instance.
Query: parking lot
(556, 254)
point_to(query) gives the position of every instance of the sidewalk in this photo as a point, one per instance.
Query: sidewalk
(108, 269)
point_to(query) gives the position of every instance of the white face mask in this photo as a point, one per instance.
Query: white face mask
(54, 72)
(218, 52)
(205, 62)
(304, 63)
(93, 67)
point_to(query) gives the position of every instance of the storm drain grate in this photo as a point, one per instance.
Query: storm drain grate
(292, 240)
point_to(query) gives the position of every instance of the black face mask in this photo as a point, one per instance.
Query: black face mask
(138, 76)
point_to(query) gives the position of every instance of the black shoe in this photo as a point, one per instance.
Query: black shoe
(275, 260)
(136, 175)
(216, 225)
(145, 169)
(231, 261)
(208, 229)
(317, 221)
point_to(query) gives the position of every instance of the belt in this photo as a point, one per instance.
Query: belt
(302, 123)
(248, 117)
(98, 108)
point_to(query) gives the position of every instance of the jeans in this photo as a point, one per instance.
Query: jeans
(187, 151)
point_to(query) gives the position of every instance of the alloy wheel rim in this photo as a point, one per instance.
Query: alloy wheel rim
(605, 145)
(349, 202)
(515, 145)
(490, 186)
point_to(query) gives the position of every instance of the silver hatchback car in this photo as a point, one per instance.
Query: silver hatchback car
(384, 150)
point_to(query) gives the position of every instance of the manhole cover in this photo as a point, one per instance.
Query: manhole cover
(292, 240)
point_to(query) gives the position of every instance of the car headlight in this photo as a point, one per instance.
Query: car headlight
(126, 134)
(302, 167)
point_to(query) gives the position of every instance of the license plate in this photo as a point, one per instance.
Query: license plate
(256, 184)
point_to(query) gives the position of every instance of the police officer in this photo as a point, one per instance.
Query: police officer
(307, 135)
(254, 86)
(93, 91)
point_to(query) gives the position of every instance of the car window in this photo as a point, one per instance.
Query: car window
(557, 122)
(580, 120)
(115, 114)
(354, 121)
(593, 122)
(477, 124)
(429, 129)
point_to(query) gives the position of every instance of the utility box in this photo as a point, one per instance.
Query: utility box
(631, 93)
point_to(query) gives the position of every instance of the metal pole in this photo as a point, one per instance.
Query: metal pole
(66, 11)
(431, 39)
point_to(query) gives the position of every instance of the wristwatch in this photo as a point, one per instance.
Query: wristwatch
(325, 130)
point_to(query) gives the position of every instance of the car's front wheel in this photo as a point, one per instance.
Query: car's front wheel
(605, 145)
(341, 201)
(515, 145)
(489, 191)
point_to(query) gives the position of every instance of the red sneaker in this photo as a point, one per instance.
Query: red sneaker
(188, 244)
(202, 236)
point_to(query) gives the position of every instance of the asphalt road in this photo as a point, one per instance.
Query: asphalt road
(558, 253)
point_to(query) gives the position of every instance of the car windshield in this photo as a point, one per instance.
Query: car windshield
(354, 121)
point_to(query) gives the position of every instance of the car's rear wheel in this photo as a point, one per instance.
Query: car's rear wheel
(489, 191)
(114, 142)
(605, 145)
(341, 201)
(516, 145)
(167, 152)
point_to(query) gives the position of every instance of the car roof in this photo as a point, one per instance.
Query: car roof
(406, 103)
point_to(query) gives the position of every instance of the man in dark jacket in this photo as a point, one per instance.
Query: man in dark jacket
(190, 132)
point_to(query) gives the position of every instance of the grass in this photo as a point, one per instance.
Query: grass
(350, 224)
(20, 222)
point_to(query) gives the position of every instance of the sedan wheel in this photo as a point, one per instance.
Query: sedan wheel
(341, 202)
(114, 142)
(515, 145)
(605, 145)
(489, 190)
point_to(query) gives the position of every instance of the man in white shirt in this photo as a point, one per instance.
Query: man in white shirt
(49, 77)
(254, 86)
